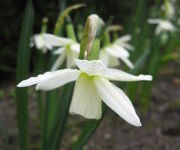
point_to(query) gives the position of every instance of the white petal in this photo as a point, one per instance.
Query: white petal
(120, 52)
(158, 30)
(59, 51)
(123, 39)
(117, 101)
(86, 101)
(75, 47)
(128, 46)
(117, 51)
(51, 80)
(39, 41)
(108, 60)
(104, 57)
(166, 25)
(95, 67)
(59, 61)
(57, 80)
(128, 62)
(71, 56)
(55, 40)
(119, 75)
(113, 62)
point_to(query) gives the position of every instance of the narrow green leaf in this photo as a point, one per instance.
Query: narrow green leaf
(63, 15)
(22, 73)
(131, 88)
(106, 39)
(94, 54)
(52, 99)
(152, 67)
(40, 64)
(60, 118)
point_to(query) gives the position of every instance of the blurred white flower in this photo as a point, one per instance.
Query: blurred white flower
(45, 41)
(162, 25)
(92, 85)
(169, 9)
(111, 54)
(70, 52)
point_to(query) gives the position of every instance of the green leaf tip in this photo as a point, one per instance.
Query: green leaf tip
(63, 15)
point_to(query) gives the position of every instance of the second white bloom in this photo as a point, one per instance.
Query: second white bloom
(162, 25)
(70, 52)
(111, 54)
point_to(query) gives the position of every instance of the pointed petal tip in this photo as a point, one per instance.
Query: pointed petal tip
(19, 85)
(138, 123)
(135, 120)
(145, 77)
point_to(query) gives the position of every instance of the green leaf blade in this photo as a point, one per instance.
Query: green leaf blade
(22, 73)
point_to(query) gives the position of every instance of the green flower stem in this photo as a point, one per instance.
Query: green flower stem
(57, 128)
(40, 68)
(106, 39)
(70, 29)
(87, 131)
(44, 25)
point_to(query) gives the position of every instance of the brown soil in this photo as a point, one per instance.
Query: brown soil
(160, 130)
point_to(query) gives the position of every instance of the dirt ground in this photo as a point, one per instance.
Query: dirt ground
(160, 130)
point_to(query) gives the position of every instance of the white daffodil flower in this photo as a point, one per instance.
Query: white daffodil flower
(70, 52)
(162, 25)
(46, 41)
(111, 54)
(92, 85)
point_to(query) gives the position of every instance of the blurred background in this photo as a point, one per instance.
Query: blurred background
(158, 104)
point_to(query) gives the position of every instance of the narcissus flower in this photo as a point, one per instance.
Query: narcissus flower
(162, 25)
(67, 48)
(111, 54)
(46, 41)
(92, 85)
